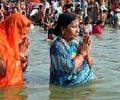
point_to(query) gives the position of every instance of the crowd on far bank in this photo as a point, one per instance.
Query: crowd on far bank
(93, 14)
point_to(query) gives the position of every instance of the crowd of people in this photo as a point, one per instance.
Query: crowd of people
(64, 20)
(93, 14)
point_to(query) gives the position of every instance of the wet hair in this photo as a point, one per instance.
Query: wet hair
(63, 21)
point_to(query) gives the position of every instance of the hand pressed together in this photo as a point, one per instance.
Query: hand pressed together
(23, 48)
(85, 46)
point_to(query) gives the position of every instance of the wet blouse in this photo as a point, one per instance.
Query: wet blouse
(62, 68)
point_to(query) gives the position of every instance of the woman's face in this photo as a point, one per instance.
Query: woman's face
(25, 32)
(71, 31)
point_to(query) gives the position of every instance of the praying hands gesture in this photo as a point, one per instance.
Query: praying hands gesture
(23, 48)
(85, 47)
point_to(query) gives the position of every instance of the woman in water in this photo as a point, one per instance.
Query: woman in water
(70, 63)
(14, 45)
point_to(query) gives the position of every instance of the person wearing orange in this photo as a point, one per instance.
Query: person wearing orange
(13, 49)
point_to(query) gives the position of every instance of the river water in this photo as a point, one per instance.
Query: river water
(106, 67)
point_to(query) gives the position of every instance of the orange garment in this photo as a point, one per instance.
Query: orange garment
(11, 30)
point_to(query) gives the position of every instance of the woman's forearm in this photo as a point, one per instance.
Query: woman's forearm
(24, 61)
(89, 59)
(78, 61)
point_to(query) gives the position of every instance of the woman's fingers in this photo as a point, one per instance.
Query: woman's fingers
(24, 46)
(86, 39)
(26, 42)
(89, 41)
(84, 49)
(86, 44)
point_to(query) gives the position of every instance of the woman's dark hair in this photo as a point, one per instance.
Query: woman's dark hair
(63, 21)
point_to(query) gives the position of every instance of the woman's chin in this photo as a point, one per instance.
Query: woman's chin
(73, 38)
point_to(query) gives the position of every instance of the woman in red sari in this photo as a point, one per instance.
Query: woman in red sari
(13, 48)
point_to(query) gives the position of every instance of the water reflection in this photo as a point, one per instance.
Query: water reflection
(71, 93)
(12, 93)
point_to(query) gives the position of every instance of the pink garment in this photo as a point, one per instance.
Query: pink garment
(97, 29)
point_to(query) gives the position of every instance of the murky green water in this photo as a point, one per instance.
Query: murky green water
(106, 55)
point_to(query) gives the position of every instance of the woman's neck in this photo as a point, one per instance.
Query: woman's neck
(66, 39)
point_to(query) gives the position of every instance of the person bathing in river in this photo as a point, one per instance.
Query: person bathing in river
(70, 63)
(14, 45)
(98, 28)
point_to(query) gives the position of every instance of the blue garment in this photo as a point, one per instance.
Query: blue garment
(83, 5)
(62, 69)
